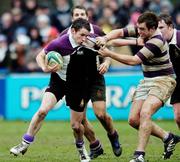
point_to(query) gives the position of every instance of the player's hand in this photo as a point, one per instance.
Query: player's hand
(103, 68)
(140, 41)
(101, 41)
(47, 68)
(104, 51)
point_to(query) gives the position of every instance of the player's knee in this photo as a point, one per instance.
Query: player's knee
(75, 127)
(84, 121)
(177, 119)
(42, 114)
(134, 122)
(101, 116)
(144, 115)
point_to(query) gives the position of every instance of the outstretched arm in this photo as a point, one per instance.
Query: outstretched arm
(125, 42)
(114, 34)
(123, 58)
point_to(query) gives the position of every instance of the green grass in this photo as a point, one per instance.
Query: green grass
(55, 143)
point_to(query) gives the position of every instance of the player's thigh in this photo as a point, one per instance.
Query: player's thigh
(150, 106)
(98, 90)
(48, 101)
(56, 86)
(162, 87)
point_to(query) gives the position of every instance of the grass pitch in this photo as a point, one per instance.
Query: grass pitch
(55, 143)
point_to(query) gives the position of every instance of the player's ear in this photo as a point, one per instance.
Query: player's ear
(73, 31)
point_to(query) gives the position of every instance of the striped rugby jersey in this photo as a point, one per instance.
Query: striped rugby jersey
(154, 54)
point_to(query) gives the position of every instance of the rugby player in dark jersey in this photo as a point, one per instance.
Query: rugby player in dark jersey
(97, 94)
(173, 38)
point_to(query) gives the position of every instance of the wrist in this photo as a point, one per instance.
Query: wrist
(136, 42)
(106, 38)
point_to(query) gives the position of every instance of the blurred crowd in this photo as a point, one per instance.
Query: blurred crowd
(28, 25)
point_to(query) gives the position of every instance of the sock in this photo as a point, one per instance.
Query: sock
(79, 143)
(138, 153)
(114, 135)
(95, 146)
(168, 138)
(27, 138)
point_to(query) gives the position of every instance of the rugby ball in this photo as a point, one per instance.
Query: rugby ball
(54, 58)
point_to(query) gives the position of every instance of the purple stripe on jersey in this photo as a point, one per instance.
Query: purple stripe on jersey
(156, 63)
(163, 72)
(154, 49)
(125, 30)
(141, 56)
(160, 37)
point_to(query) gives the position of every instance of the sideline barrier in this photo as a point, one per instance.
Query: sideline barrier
(24, 93)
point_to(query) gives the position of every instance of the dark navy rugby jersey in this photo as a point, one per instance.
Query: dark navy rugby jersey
(174, 51)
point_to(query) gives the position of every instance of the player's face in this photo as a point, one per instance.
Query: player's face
(80, 36)
(79, 13)
(165, 29)
(143, 31)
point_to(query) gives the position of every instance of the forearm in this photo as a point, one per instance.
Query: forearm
(40, 59)
(107, 60)
(122, 42)
(123, 58)
(114, 34)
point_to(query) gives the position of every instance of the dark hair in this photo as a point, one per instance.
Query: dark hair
(150, 19)
(167, 19)
(80, 23)
(78, 7)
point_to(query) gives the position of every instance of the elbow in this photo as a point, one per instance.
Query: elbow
(134, 62)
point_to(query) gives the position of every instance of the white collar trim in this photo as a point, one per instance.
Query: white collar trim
(174, 38)
(72, 41)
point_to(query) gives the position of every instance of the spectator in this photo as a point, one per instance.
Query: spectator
(18, 4)
(61, 18)
(4, 53)
(123, 14)
(7, 26)
(47, 32)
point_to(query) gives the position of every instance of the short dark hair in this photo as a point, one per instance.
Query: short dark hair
(80, 23)
(167, 19)
(78, 7)
(150, 19)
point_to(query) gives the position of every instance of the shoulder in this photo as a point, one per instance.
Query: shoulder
(65, 31)
(130, 31)
(58, 44)
(61, 39)
(157, 40)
